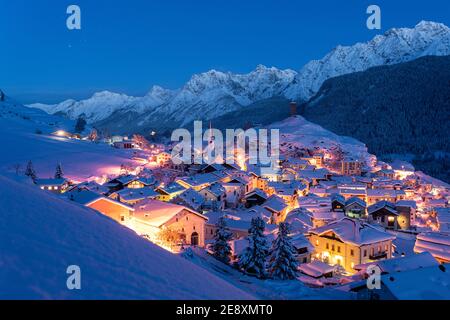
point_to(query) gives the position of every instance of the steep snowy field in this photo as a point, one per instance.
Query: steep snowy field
(41, 235)
(298, 133)
(21, 143)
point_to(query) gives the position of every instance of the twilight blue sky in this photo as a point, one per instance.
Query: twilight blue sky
(128, 46)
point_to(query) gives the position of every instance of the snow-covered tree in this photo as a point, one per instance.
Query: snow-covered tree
(253, 259)
(282, 263)
(221, 248)
(59, 174)
(29, 171)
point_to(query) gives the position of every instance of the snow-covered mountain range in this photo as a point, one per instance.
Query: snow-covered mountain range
(212, 94)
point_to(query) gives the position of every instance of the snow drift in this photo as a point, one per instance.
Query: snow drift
(41, 235)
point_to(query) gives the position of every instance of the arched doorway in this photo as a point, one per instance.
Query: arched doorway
(194, 239)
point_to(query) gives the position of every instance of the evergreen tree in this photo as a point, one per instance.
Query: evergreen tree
(283, 264)
(253, 259)
(80, 125)
(221, 248)
(59, 174)
(29, 172)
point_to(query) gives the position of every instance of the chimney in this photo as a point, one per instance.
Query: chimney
(293, 108)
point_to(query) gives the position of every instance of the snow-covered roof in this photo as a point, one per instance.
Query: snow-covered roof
(299, 241)
(83, 196)
(316, 268)
(157, 213)
(443, 215)
(173, 187)
(192, 198)
(384, 193)
(353, 192)
(216, 189)
(431, 283)
(400, 264)
(50, 182)
(231, 222)
(389, 206)
(275, 203)
(256, 192)
(357, 200)
(338, 197)
(406, 203)
(353, 231)
(437, 243)
(137, 194)
(200, 179)
(300, 220)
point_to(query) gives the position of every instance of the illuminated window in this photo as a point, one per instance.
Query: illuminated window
(317, 242)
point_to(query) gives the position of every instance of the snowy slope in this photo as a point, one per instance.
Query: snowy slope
(21, 143)
(298, 133)
(41, 235)
(395, 46)
(212, 94)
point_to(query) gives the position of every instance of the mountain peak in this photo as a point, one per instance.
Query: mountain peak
(430, 25)
(106, 93)
(396, 45)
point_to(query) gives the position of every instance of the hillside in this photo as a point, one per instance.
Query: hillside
(27, 135)
(402, 109)
(41, 235)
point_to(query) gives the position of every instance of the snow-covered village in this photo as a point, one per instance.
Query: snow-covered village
(98, 186)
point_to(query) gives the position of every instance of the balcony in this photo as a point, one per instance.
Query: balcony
(378, 256)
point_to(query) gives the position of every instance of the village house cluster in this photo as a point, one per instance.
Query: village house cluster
(344, 213)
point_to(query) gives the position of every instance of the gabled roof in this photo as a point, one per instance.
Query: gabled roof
(357, 200)
(192, 198)
(256, 192)
(389, 206)
(338, 197)
(216, 189)
(171, 188)
(275, 203)
(316, 268)
(157, 213)
(353, 231)
(50, 182)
